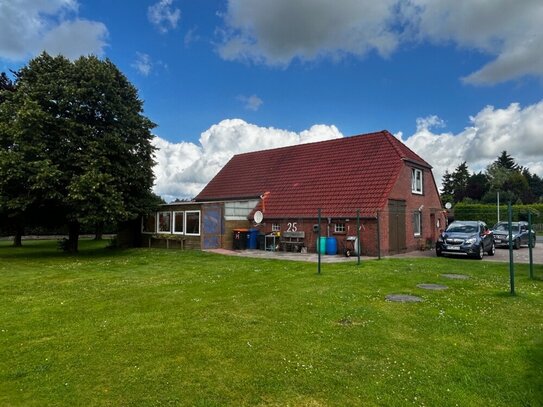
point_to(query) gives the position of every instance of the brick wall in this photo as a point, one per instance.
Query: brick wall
(368, 233)
(431, 211)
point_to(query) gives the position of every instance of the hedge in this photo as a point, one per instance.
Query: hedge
(489, 214)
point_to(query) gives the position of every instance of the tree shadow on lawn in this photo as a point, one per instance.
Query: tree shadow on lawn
(534, 374)
(49, 249)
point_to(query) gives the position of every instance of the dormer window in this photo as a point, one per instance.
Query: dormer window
(416, 181)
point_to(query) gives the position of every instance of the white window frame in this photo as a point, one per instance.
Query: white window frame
(173, 222)
(340, 227)
(416, 181)
(199, 223)
(276, 227)
(417, 223)
(158, 222)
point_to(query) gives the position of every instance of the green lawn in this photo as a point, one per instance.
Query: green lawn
(148, 327)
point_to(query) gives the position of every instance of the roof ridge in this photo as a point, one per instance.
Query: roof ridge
(313, 143)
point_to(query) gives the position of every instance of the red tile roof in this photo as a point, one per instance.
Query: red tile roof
(339, 176)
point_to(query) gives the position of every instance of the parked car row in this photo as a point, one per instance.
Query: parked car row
(474, 238)
(519, 231)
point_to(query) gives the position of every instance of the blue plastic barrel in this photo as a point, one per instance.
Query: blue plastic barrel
(331, 245)
(253, 238)
(321, 248)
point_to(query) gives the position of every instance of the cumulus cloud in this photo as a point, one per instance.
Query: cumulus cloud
(184, 169)
(28, 27)
(143, 64)
(278, 32)
(252, 102)
(514, 129)
(163, 15)
(508, 30)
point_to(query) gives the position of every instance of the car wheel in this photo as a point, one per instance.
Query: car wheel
(492, 249)
(533, 242)
(516, 244)
(481, 252)
(438, 253)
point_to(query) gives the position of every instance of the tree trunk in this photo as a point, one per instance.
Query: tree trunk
(18, 239)
(73, 237)
(19, 230)
(99, 230)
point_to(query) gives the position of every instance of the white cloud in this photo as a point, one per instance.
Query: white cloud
(163, 16)
(184, 169)
(252, 102)
(28, 27)
(508, 30)
(191, 36)
(278, 32)
(514, 129)
(143, 64)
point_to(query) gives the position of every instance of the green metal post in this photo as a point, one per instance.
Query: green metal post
(530, 244)
(358, 234)
(511, 263)
(319, 248)
(378, 237)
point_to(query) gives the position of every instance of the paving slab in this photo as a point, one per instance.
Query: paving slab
(455, 276)
(403, 298)
(436, 287)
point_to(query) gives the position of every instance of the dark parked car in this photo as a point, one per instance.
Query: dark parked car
(468, 238)
(520, 234)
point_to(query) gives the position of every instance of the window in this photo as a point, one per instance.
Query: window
(276, 227)
(192, 223)
(178, 222)
(339, 228)
(417, 223)
(164, 222)
(416, 181)
(148, 223)
(239, 210)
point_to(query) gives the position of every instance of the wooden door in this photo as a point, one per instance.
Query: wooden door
(396, 226)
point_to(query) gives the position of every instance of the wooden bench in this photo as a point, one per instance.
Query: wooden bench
(292, 241)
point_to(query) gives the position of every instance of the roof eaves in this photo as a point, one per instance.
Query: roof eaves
(417, 162)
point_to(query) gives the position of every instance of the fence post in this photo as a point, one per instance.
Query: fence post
(530, 244)
(358, 234)
(378, 237)
(319, 248)
(511, 263)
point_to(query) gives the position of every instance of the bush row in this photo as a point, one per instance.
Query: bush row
(489, 213)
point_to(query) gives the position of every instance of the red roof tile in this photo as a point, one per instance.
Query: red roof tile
(339, 176)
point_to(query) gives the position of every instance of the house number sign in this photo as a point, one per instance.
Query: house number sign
(292, 227)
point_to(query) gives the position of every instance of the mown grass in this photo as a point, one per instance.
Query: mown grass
(150, 327)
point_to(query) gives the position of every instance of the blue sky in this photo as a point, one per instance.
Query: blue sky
(456, 81)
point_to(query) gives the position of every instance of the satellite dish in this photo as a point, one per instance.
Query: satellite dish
(448, 205)
(258, 217)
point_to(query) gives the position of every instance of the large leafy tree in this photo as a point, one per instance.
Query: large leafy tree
(510, 179)
(87, 138)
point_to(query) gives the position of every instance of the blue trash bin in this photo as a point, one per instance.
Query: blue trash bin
(253, 239)
(331, 246)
